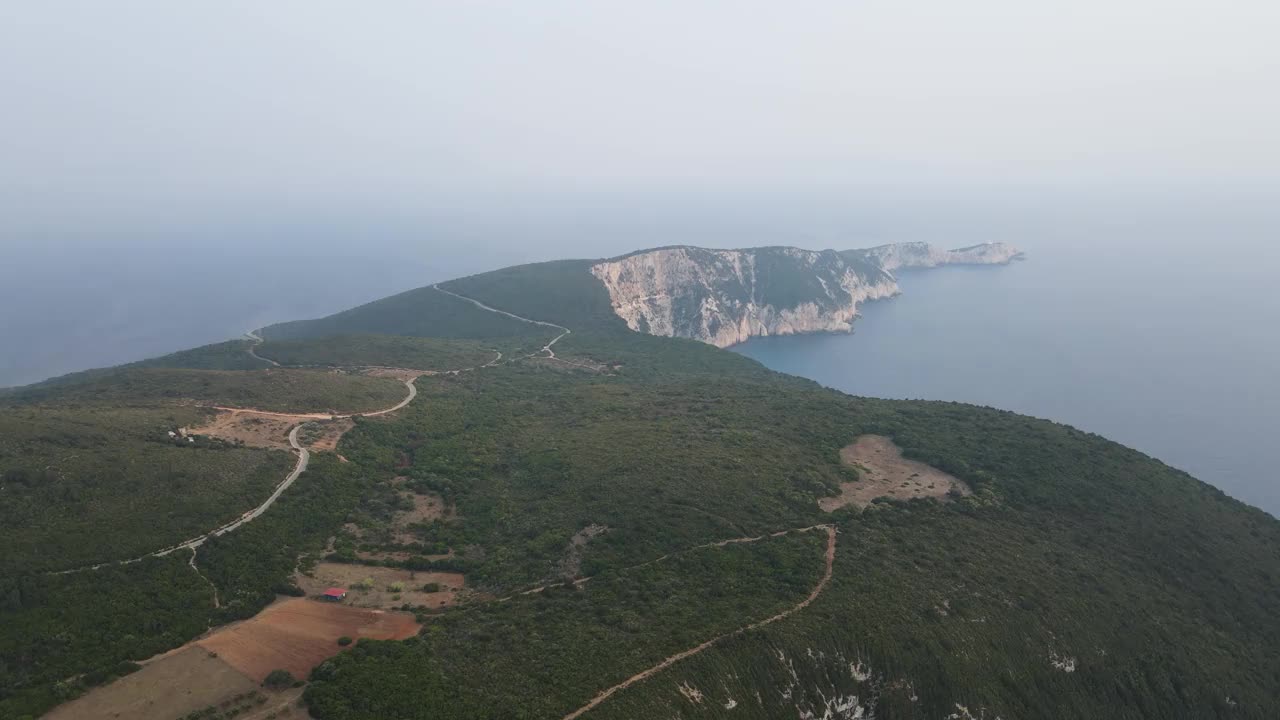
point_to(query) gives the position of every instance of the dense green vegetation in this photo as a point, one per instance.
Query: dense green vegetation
(555, 649)
(530, 456)
(94, 484)
(389, 351)
(62, 633)
(1158, 590)
(1073, 547)
(276, 389)
(562, 292)
(1159, 593)
(55, 628)
(250, 566)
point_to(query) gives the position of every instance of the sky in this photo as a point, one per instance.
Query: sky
(173, 172)
(135, 115)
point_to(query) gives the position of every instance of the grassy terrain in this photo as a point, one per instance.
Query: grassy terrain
(279, 390)
(89, 485)
(425, 312)
(387, 350)
(562, 292)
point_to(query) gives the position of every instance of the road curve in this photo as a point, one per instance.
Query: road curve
(253, 347)
(545, 348)
(303, 455)
(672, 660)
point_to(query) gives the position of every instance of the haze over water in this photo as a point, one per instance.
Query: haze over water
(1168, 345)
(1150, 320)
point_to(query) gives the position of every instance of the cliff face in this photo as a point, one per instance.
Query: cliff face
(924, 255)
(724, 297)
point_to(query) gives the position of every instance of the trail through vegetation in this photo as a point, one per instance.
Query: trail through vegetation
(673, 659)
(302, 453)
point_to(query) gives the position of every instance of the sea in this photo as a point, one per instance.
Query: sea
(1154, 322)
(1169, 348)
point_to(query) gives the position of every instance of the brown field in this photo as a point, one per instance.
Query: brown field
(252, 429)
(883, 472)
(298, 634)
(327, 575)
(177, 684)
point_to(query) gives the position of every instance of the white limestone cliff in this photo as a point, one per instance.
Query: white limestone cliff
(724, 297)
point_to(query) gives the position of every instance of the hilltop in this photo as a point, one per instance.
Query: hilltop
(593, 511)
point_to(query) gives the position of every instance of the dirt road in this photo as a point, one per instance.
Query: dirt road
(303, 418)
(668, 662)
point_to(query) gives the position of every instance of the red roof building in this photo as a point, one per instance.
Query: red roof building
(335, 593)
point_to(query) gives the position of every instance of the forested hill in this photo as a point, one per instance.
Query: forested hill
(648, 527)
(721, 297)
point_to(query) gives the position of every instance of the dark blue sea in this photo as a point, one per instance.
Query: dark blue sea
(1171, 349)
(1153, 322)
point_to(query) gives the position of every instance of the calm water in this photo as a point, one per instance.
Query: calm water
(1171, 350)
(1150, 321)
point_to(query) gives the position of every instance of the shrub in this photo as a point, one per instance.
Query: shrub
(344, 641)
(278, 679)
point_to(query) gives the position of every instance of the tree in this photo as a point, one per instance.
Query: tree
(278, 680)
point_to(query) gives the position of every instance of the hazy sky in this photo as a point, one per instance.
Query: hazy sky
(135, 115)
(173, 173)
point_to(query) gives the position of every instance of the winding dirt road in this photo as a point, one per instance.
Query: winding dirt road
(253, 347)
(551, 354)
(303, 455)
(672, 660)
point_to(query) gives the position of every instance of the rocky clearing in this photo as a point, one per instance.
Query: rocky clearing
(883, 472)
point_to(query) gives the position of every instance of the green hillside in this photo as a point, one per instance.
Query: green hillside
(1080, 579)
(276, 389)
(425, 312)
(387, 350)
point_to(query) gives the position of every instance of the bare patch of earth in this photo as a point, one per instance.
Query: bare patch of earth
(323, 435)
(379, 593)
(397, 373)
(178, 684)
(426, 507)
(298, 634)
(570, 566)
(883, 472)
(252, 429)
